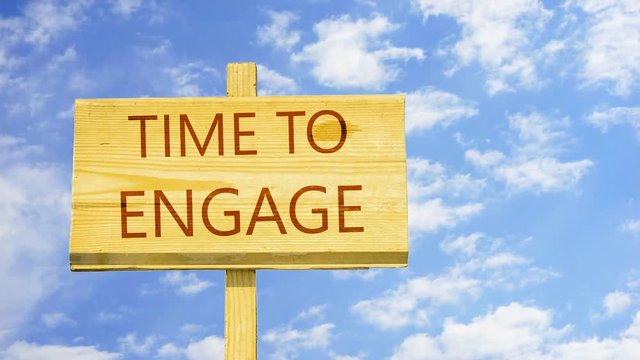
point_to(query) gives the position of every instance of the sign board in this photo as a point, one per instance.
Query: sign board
(295, 182)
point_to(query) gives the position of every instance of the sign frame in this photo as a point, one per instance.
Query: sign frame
(379, 246)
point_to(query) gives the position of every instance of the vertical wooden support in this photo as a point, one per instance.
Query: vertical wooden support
(240, 315)
(241, 326)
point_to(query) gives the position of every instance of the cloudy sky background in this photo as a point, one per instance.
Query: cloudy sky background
(523, 140)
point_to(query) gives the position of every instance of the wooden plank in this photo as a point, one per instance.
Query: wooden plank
(241, 330)
(242, 79)
(241, 312)
(266, 260)
(108, 163)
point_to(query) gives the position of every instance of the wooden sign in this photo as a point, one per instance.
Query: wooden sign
(295, 182)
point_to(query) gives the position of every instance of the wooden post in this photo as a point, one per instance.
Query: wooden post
(241, 326)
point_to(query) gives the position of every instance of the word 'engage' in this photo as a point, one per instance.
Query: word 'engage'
(160, 199)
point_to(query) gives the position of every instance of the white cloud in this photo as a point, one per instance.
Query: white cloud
(597, 349)
(190, 328)
(70, 55)
(417, 347)
(611, 46)
(402, 306)
(125, 7)
(271, 82)
(634, 280)
(428, 107)
(347, 357)
(484, 159)
(104, 316)
(432, 215)
(185, 284)
(481, 263)
(633, 331)
(54, 320)
(130, 344)
(31, 84)
(351, 53)
(46, 19)
(513, 276)
(537, 132)
(427, 179)
(517, 331)
(428, 182)
(111, 316)
(40, 23)
(209, 348)
(187, 78)
(632, 226)
(504, 259)
(497, 267)
(66, 114)
(496, 34)
(31, 104)
(15, 148)
(616, 303)
(316, 312)
(606, 118)
(278, 32)
(417, 167)
(371, 3)
(533, 164)
(543, 174)
(463, 244)
(366, 275)
(26, 351)
(513, 331)
(161, 47)
(79, 82)
(33, 225)
(289, 342)
(169, 351)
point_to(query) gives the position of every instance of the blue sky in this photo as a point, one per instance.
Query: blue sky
(523, 140)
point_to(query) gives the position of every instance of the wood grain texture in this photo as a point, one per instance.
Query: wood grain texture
(242, 79)
(107, 161)
(241, 330)
(241, 312)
